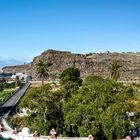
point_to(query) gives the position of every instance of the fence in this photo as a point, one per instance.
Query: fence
(30, 137)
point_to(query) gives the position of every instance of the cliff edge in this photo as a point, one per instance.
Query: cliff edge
(92, 63)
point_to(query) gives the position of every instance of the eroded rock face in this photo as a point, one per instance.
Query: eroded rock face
(16, 69)
(93, 63)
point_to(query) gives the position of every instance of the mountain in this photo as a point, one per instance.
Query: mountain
(10, 62)
(92, 63)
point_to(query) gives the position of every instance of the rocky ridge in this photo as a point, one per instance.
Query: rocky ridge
(93, 63)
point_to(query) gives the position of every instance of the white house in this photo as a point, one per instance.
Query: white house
(20, 75)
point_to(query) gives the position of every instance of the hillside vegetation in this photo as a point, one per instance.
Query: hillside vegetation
(94, 105)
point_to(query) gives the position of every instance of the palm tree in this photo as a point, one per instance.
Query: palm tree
(17, 81)
(41, 70)
(115, 69)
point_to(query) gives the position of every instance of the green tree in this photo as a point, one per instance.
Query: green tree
(115, 68)
(17, 81)
(70, 81)
(99, 108)
(2, 82)
(70, 74)
(44, 109)
(41, 70)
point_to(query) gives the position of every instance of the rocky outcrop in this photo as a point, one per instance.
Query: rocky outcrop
(93, 63)
(16, 69)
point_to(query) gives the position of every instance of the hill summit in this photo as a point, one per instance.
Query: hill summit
(92, 63)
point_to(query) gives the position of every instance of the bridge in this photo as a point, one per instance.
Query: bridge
(9, 104)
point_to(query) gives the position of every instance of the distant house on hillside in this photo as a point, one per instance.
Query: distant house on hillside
(20, 75)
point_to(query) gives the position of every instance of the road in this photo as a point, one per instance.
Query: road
(6, 107)
(16, 97)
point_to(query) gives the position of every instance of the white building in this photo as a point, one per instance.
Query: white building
(20, 75)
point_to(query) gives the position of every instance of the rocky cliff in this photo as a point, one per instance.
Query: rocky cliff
(93, 63)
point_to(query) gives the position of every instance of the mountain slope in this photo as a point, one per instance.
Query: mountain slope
(92, 63)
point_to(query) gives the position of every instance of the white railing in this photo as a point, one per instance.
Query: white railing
(30, 137)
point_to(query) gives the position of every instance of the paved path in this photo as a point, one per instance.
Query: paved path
(6, 107)
(9, 105)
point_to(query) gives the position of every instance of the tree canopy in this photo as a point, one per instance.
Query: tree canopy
(41, 70)
(95, 106)
(45, 107)
(70, 81)
(99, 108)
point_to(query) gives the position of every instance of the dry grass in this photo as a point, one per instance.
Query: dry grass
(54, 86)
(38, 83)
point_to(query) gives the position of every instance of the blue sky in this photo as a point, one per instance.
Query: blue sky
(29, 27)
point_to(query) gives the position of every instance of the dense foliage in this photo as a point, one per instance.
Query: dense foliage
(44, 109)
(70, 81)
(95, 106)
(2, 82)
(99, 108)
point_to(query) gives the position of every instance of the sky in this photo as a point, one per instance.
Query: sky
(29, 27)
